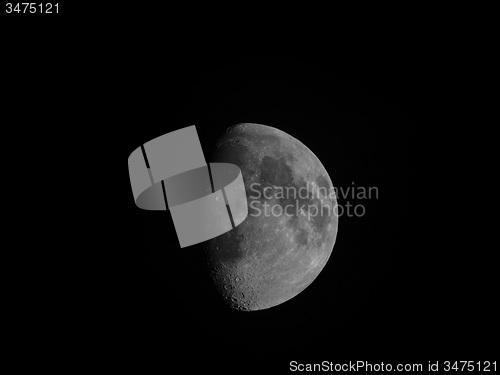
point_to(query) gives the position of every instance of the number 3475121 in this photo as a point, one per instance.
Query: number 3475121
(32, 7)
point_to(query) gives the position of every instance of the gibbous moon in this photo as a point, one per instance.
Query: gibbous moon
(290, 231)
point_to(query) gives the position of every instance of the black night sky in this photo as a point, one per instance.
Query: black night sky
(369, 105)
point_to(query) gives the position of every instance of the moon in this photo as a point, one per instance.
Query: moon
(291, 227)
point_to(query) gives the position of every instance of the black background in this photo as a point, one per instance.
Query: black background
(373, 106)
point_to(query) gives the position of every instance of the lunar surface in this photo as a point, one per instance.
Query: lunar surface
(291, 227)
